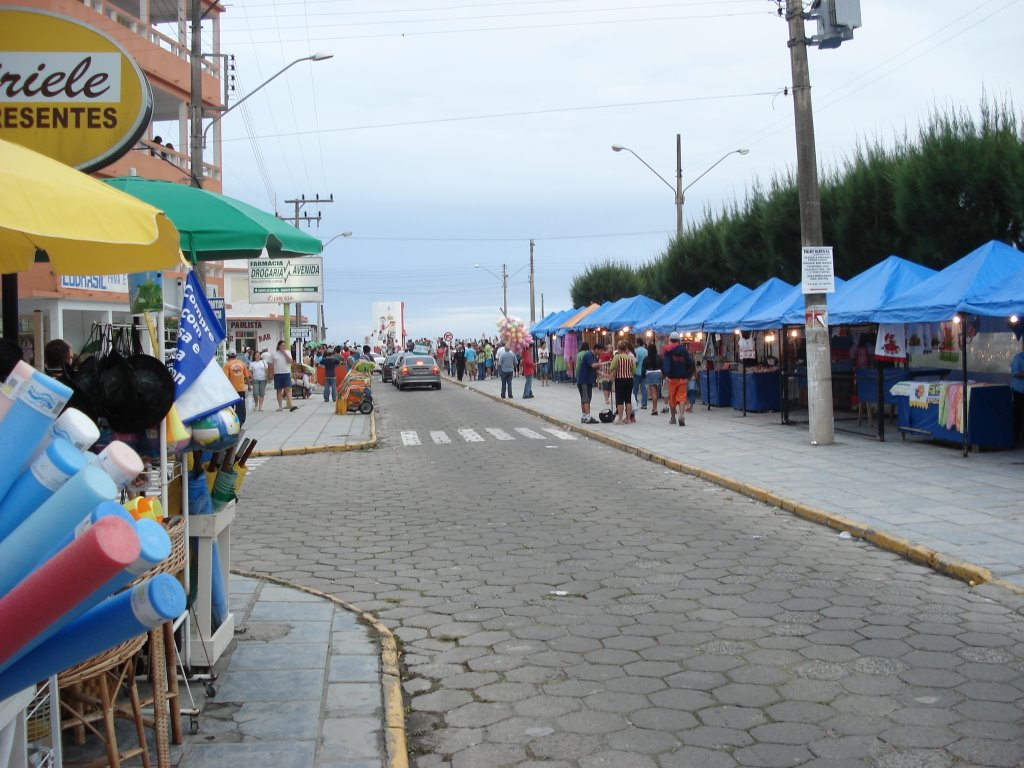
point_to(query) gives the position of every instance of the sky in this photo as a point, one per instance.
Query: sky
(451, 132)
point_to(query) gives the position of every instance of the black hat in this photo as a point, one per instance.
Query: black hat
(138, 391)
(232, 353)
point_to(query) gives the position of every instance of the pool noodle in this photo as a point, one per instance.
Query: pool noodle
(63, 581)
(36, 404)
(19, 377)
(121, 462)
(75, 427)
(51, 469)
(37, 538)
(102, 510)
(118, 618)
(155, 546)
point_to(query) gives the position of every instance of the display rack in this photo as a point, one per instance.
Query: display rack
(207, 530)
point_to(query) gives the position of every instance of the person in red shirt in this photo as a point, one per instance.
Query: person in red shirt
(528, 370)
(239, 376)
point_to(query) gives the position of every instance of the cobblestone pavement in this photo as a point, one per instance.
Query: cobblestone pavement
(563, 604)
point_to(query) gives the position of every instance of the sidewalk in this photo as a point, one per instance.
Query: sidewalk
(960, 515)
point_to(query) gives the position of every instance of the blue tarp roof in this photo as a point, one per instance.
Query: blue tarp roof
(1002, 301)
(705, 305)
(963, 284)
(619, 314)
(725, 320)
(665, 311)
(552, 320)
(788, 310)
(862, 295)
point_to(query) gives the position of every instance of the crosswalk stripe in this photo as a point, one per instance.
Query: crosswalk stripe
(470, 436)
(440, 438)
(410, 438)
(559, 433)
(527, 432)
(501, 434)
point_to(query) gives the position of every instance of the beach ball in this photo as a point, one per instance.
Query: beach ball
(216, 432)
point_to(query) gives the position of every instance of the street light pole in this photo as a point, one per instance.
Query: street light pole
(322, 328)
(679, 190)
(504, 285)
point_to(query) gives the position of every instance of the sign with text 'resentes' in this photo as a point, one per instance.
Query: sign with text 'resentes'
(817, 269)
(283, 281)
(69, 91)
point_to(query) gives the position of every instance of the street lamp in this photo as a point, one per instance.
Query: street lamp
(321, 326)
(679, 189)
(199, 134)
(504, 285)
(332, 239)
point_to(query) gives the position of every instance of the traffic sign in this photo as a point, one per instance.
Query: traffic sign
(448, 335)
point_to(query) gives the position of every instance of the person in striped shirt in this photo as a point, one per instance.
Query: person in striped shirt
(622, 369)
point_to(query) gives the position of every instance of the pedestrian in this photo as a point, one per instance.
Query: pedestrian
(258, 372)
(528, 371)
(692, 390)
(489, 371)
(677, 366)
(505, 364)
(640, 378)
(471, 361)
(459, 359)
(653, 363)
(57, 356)
(604, 377)
(622, 369)
(543, 362)
(586, 377)
(238, 374)
(481, 362)
(330, 362)
(281, 364)
(1017, 388)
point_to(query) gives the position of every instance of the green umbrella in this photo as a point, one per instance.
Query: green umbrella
(215, 227)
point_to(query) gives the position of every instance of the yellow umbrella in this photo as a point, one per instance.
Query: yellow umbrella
(83, 226)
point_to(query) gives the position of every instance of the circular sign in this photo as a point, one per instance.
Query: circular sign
(448, 336)
(68, 91)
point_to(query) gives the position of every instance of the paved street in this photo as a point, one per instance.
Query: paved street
(562, 603)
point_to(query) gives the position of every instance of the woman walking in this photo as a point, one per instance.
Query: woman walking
(622, 369)
(653, 377)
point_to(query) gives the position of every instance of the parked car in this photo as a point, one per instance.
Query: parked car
(388, 367)
(417, 371)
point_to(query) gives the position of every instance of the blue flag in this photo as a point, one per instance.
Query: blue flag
(200, 386)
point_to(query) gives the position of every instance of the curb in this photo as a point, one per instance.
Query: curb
(343, 448)
(391, 677)
(970, 574)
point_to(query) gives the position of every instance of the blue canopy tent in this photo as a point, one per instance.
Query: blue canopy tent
(594, 319)
(862, 295)
(550, 322)
(705, 305)
(632, 311)
(787, 310)
(728, 319)
(666, 310)
(963, 285)
(1004, 300)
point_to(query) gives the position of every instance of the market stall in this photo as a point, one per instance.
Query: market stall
(939, 410)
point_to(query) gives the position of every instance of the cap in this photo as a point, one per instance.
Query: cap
(232, 354)
(673, 336)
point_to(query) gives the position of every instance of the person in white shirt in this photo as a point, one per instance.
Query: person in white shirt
(258, 368)
(281, 362)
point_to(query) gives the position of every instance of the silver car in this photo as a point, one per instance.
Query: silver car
(416, 371)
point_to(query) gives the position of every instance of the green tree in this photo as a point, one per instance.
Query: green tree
(605, 282)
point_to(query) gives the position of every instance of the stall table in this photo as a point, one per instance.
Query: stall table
(762, 391)
(716, 388)
(867, 385)
(989, 413)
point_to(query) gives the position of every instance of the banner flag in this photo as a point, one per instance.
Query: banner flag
(200, 385)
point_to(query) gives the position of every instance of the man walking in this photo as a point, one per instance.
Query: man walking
(677, 365)
(528, 371)
(505, 363)
(238, 374)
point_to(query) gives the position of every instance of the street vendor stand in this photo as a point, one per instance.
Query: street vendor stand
(932, 409)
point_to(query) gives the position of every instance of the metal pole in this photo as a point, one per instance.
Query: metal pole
(819, 367)
(533, 303)
(679, 186)
(504, 289)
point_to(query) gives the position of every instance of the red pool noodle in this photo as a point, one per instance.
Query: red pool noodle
(63, 581)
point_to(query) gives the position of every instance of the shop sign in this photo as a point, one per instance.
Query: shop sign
(217, 305)
(102, 283)
(69, 91)
(245, 325)
(282, 281)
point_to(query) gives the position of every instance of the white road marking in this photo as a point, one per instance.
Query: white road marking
(527, 432)
(410, 438)
(440, 438)
(470, 436)
(500, 434)
(559, 433)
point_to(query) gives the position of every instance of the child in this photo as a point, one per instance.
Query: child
(692, 388)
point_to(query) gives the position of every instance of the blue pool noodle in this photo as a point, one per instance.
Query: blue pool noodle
(44, 477)
(119, 618)
(36, 406)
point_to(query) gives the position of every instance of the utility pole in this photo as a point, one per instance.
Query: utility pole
(299, 216)
(819, 367)
(195, 112)
(504, 289)
(533, 303)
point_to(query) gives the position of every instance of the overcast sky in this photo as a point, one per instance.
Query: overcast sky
(451, 132)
